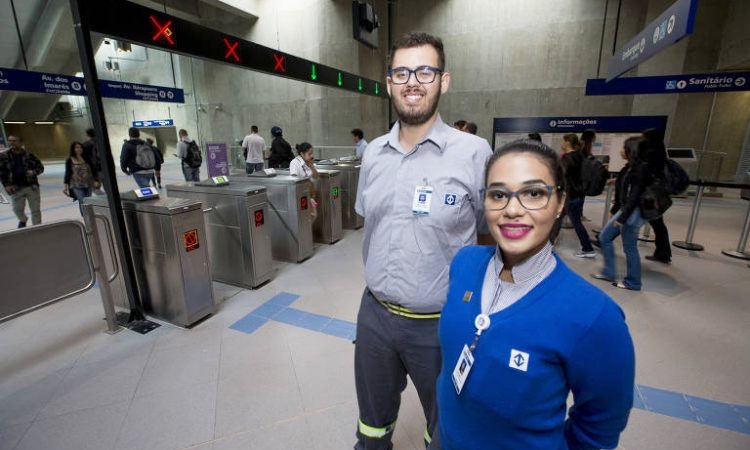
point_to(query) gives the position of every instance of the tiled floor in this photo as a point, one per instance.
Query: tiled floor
(65, 384)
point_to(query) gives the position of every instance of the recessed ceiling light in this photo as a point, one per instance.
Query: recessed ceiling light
(44, 123)
(8, 122)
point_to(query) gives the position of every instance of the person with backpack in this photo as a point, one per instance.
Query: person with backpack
(156, 180)
(573, 163)
(137, 158)
(281, 151)
(190, 154)
(655, 157)
(626, 220)
(588, 137)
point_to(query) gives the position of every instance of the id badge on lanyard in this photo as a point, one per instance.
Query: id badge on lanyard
(466, 358)
(422, 201)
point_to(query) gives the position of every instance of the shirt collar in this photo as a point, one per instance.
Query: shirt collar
(527, 269)
(438, 135)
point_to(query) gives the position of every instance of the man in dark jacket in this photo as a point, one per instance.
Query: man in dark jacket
(281, 151)
(128, 155)
(19, 169)
(654, 154)
(91, 155)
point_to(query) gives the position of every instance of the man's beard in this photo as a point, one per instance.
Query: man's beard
(411, 116)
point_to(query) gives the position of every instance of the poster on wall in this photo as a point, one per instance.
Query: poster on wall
(218, 163)
(611, 131)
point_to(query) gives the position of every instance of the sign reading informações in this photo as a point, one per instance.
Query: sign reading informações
(562, 124)
(672, 25)
(57, 84)
(218, 163)
(671, 84)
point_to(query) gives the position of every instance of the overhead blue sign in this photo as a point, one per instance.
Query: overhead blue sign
(672, 25)
(608, 124)
(670, 84)
(53, 83)
(134, 91)
(153, 123)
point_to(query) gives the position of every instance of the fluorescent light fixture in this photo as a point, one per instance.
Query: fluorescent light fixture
(8, 122)
(44, 123)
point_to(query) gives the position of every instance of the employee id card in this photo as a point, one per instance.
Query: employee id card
(420, 206)
(462, 369)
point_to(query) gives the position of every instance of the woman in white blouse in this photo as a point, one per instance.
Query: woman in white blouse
(302, 166)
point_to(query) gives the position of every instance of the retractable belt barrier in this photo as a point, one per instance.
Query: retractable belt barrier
(688, 243)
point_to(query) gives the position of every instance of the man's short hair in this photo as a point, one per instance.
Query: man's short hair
(90, 132)
(359, 133)
(460, 124)
(182, 132)
(471, 127)
(254, 128)
(133, 132)
(412, 40)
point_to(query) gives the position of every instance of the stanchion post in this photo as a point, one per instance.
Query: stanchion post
(740, 251)
(688, 244)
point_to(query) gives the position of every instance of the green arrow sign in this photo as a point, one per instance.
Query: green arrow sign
(340, 80)
(359, 83)
(313, 73)
(377, 89)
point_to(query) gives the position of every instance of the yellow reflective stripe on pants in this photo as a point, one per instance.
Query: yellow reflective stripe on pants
(405, 312)
(374, 432)
(427, 437)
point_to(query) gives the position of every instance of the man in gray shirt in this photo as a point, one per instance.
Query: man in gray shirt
(252, 147)
(190, 156)
(420, 194)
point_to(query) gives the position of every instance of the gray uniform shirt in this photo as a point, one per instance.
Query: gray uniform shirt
(182, 148)
(407, 256)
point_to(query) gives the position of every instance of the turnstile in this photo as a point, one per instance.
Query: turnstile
(289, 219)
(239, 244)
(167, 240)
(349, 180)
(327, 225)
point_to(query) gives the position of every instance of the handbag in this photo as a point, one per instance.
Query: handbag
(654, 201)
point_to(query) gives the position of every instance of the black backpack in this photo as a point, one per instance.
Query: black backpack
(144, 156)
(593, 176)
(676, 180)
(193, 156)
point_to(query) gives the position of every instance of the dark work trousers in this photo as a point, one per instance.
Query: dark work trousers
(575, 212)
(661, 235)
(388, 348)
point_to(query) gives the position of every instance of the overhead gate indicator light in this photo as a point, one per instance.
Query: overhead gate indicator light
(279, 63)
(231, 50)
(340, 80)
(313, 74)
(359, 84)
(377, 89)
(162, 31)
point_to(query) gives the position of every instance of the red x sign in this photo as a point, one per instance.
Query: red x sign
(162, 30)
(231, 50)
(280, 63)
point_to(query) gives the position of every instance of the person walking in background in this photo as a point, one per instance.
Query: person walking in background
(19, 171)
(630, 183)
(655, 157)
(572, 160)
(252, 148)
(80, 175)
(471, 128)
(521, 333)
(460, 125)
(359, 140)
(137, 158)
(588, 137)
(538, 137)
(159, 157)
(303, 166)
(419, 192)
(190, 155)
(281, 151)
(91, 154)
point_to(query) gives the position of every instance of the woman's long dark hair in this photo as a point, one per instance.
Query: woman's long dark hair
(73, 149)
(303, 147)
(587, 141)
(633, 147)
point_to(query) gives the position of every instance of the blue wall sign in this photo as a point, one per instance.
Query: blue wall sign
(607, 124)
(53, 83)
(153, 123)
(672, 25)
(671, 84)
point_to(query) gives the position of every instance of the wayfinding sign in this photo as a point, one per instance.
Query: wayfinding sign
(58, 84)
(153, 123)
(157, 29)
(671, 84)
(672, 25)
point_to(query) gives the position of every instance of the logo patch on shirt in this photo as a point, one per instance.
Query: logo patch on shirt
(467, 296)
(518, 360)
(450, 199)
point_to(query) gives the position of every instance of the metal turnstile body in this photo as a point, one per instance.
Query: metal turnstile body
(168, 243)
(327, 225)
(239, 243)
(350, 220)
(289, 217)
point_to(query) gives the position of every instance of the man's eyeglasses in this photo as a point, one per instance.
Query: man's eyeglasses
(531, 197)
(424, 74)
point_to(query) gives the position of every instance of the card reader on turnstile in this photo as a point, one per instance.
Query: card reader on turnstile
(214, 181)
(147, 193)
(265, 173)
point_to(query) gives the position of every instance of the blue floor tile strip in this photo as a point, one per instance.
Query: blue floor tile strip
(704, 411)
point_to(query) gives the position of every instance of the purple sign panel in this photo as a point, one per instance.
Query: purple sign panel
(218, 163)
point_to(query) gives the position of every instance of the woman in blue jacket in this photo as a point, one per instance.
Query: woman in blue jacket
(521, 331)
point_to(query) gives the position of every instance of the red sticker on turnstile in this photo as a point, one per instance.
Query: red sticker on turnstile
(259, 219)
(303, 203)
(190, 239)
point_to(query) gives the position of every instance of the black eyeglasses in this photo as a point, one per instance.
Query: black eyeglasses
(531, 197)
(424, 74)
